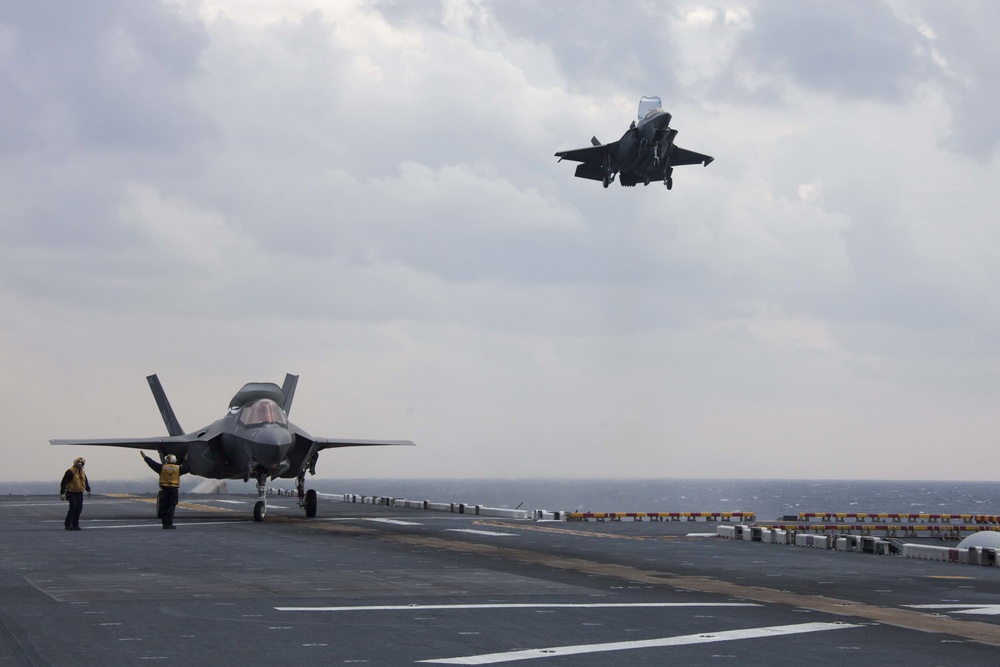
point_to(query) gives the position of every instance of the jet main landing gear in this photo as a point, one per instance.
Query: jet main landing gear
(609, 173)
(307, 499)
(311, 503)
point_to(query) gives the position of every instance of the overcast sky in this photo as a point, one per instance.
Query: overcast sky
(365, 194)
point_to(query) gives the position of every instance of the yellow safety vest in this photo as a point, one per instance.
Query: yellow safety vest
(170, 475)
(79, 482)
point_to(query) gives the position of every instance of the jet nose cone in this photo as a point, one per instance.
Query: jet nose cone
(662, 121)
(268, 446)
(273, 436)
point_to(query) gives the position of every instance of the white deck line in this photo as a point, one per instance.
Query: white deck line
(683, 640)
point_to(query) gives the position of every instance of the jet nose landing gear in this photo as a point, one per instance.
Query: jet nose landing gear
(260, 507)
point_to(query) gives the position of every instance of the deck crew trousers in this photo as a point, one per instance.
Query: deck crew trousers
(75, 499)
(168, 501)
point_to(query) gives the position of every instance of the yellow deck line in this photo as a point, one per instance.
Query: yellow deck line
(185, 505)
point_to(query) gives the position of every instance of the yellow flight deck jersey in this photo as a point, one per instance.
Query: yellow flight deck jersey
(170, 475)
(78, 484)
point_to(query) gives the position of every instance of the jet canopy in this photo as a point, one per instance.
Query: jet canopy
(264, 411)
(647, 104)
(254, 391)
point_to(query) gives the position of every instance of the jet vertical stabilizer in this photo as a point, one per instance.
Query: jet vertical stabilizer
(167, 412)
(288, 389)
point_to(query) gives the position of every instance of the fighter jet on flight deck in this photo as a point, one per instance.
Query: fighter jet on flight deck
(254, 439)
(646, 152)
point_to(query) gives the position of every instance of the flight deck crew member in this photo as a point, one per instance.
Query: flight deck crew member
(170, 480)
(73, 484)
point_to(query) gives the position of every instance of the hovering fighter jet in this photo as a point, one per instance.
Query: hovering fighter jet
(255, 439)
(645, 153)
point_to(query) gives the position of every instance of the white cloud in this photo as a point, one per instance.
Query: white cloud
(186, 238)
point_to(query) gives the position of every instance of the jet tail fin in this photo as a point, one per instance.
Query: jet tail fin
(288, 389)
(167, 412)
(594, 141)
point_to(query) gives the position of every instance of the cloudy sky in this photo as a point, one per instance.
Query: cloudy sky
(365, 193)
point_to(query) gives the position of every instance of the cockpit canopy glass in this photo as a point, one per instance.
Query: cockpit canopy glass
(264, 411)
(647, 105)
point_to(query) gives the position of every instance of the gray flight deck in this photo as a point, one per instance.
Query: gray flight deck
(365, 584)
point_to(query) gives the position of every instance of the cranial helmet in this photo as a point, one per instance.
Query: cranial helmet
(170, 458)
(79, 461)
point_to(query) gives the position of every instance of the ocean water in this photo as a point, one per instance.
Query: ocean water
(769, 499)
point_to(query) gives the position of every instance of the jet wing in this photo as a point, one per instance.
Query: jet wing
(330, 443)
(134, 443)
(681, 156)
(597, 154)
(593, 158)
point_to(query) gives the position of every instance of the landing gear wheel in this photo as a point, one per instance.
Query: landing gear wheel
(607, 181)
(259, 511)
(311, 503)
(669, 183)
